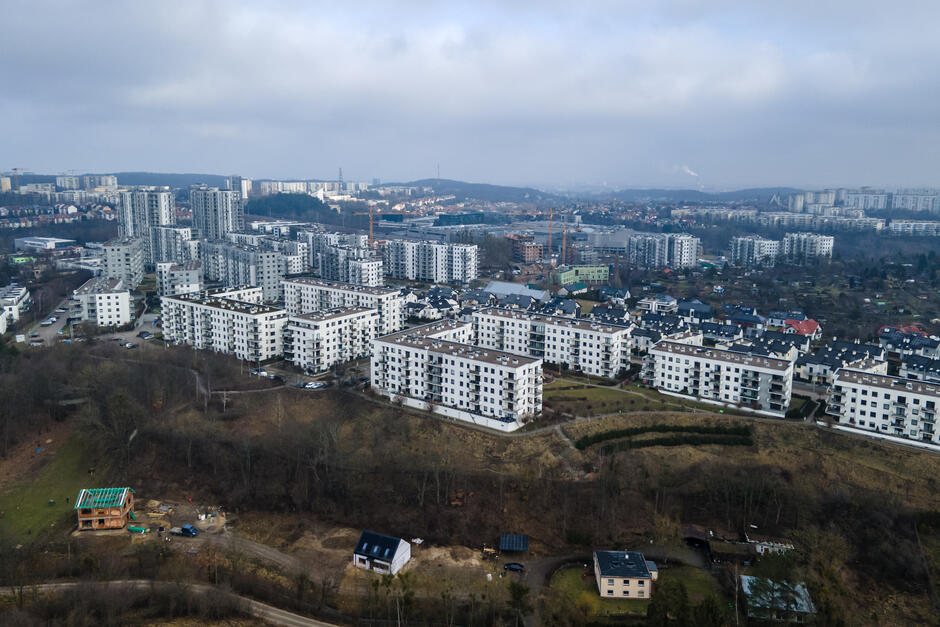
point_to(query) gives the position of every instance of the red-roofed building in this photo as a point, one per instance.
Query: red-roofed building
(808, 327)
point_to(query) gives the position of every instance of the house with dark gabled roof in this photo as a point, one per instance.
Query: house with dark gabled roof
(380, 553)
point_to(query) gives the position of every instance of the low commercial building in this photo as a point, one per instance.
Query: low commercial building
(436, 367)
(722, 377)
(217, 321)
(104, 508)
(589, 346)
(103, 302)
(592, 275)
(15, 299)
(884, 404)
(306, 295)
(317, 341)
(42, 244)
(624, 575)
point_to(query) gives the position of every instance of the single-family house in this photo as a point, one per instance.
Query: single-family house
(624, 574)
(380, 553)
(104, 508)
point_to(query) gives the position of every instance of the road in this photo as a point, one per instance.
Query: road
(263, 611)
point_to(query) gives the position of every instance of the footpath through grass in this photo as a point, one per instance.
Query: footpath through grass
(25, 511)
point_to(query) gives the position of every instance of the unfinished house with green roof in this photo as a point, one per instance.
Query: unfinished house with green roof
(104, 508)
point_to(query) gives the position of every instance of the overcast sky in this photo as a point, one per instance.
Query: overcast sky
(684, 93)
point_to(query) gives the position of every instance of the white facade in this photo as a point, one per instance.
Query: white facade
(232, 265)
(15, 299)
(142, 209)
(662, 250)
(805, 246)
(217, 212)
(431, 261)
(592, 347)
(103, 302)
(124, 260)
(176, 278)
(884, 404)
(317, 341)
(436, 365)
(305, 295)
(172, 243)
(713, 375)
(94, 181)
(752, 250)
(215, 321)
(915, 227)
(916, 200)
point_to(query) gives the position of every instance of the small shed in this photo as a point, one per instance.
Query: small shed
(513, 543)
(381, 553)
(104, 508)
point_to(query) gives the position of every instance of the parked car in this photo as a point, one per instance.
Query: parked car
(259, 372)
(315, 385)
(513, 567)
(145, 335)
(185, 530)
(129, 345)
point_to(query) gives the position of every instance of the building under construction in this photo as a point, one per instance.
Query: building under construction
(104, 508)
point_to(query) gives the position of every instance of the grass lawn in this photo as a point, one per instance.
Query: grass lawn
(698, 583)
(587, 401)
(26, 509)
(583, 593)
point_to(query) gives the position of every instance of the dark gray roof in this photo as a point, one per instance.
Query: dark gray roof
(377, 546)
(514, 542)
(622, 564)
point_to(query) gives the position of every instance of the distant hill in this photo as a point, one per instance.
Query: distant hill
(299, 207)
(171, 180)
(680, 195)
(481, 191)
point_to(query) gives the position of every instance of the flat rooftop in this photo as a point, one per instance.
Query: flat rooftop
(581, 324)
(627, 564)
(886, 382)
(743, 359)
(226, 304)
(332, 314)
(425, 337)
(336, 285)
(100, 286)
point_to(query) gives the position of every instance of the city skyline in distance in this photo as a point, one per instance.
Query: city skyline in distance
(722, 97)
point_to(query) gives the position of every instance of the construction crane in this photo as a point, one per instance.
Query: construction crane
(564, 244)
(370, 214)
(372, 219)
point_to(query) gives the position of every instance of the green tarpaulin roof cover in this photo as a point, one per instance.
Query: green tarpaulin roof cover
(102, 497)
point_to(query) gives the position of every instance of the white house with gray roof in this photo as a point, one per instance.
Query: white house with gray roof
(624, 574)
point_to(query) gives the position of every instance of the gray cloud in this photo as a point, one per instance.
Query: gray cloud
(525, 92)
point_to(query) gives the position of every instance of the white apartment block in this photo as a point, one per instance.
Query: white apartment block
(916, 200)
(716, 376)
(350, 265)
(317, 341)
(124, 260)
(806, 246)
(94, 181)
(217, 212)
(67, 182)
(683, 250)
(232, 264)
(172, 243)
(218, 322)
(306, 295)
(434, 367)
(886, 405)
(591, 347)
(141, 208)
(179, 278)
(431, 261)
(103, 302)
(922, 228)
(867, 199)
(752, 250)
